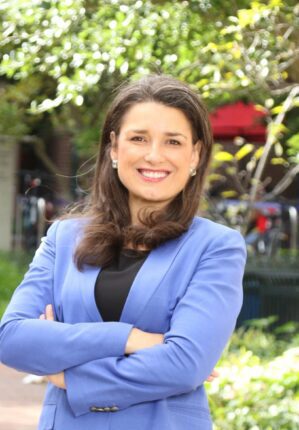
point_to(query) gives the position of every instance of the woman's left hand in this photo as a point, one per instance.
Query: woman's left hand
(58, 378)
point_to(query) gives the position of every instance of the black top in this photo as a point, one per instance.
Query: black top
(114, 282)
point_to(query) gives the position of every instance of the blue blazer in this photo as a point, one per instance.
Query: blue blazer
(189, 288)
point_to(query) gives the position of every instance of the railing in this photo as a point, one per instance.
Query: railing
(30, 221)
(272, 290)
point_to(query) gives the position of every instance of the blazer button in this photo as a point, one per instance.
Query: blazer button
(114, 409)
(96, 409)
(107, 409)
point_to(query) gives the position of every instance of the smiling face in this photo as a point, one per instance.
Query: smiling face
(155, 152)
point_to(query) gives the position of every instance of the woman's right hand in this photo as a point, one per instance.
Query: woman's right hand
(139, 339)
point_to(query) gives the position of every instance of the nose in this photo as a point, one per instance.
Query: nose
(154, 153)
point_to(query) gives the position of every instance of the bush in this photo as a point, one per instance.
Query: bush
(12, 269)
(258, 387)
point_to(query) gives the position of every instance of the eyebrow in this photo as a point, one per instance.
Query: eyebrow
(167, 133)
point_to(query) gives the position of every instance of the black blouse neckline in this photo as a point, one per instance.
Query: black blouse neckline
(130, 252)
(114, 282)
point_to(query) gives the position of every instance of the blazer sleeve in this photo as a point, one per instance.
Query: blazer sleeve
(45, 347)
(201, 325)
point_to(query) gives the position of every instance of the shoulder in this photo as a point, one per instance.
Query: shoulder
(211, 232)
(200, 224)
(66, 229)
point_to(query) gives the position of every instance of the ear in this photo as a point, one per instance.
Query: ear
(113, 151)
(196, 150)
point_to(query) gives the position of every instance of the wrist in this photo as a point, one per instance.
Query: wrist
(132, 342)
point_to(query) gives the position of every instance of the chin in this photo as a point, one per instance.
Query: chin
(163, 201)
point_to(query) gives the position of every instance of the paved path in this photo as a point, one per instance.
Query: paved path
(20, 404)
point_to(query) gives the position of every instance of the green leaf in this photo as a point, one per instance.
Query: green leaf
(278, 149)
(278, 161)
(258, 153)
(251, 165)
(277, 109)
(245, 150)
(276, 129)
(228, 194)
(293, 141)
(223, 156)
(246, 17)
(215, 177)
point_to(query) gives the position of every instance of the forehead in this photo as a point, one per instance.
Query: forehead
(153, 115)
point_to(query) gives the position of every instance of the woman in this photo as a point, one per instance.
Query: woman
(128, 305)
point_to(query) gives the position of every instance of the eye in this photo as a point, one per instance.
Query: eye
(174, 142)
(137, 139)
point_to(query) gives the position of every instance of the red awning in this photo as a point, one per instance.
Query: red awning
(238, 119)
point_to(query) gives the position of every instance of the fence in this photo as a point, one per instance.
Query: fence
(271, 291)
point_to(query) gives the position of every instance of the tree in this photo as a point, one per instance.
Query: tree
(80, 50)
(257, 59)
(70, 54)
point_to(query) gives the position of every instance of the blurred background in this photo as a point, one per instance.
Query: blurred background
(60, 63)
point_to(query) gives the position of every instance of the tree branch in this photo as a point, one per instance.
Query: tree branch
(284, 183)
(269, 142)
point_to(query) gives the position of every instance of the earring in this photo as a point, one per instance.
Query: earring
(114, 164)
(192, 171)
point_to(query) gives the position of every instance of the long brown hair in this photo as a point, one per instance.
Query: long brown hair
(108, 228)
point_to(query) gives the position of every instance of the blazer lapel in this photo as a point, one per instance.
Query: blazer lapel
(87, 279)
(149, 278)
(86, 282)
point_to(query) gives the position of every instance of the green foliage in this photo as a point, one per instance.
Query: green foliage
(10, 123)
(81, 44)
(293, 147)
(12, 269)
(67, 56)
(12, 114)
(259, 380)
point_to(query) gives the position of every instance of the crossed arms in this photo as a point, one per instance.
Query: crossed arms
(113, 363)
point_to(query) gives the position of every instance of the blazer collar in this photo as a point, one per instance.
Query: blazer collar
(145, 283)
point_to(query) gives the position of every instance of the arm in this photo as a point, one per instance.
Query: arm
(45, 347)
(137, 340)
(201, 325)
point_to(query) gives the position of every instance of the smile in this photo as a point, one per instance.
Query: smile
(153, 175)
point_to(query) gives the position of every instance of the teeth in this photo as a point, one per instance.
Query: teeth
(154, 175)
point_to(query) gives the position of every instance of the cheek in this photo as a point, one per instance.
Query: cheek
(182, 162)
(126, 162)
(128, 155)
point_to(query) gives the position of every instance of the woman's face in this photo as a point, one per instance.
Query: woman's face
(155, 153)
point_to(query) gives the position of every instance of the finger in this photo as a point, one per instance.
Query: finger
(49, 313)
(42, 317)
(215, 373)
(210, 378)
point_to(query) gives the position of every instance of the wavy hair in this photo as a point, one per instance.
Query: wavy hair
(108, 228)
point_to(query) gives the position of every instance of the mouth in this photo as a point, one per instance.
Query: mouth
(153, 175)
